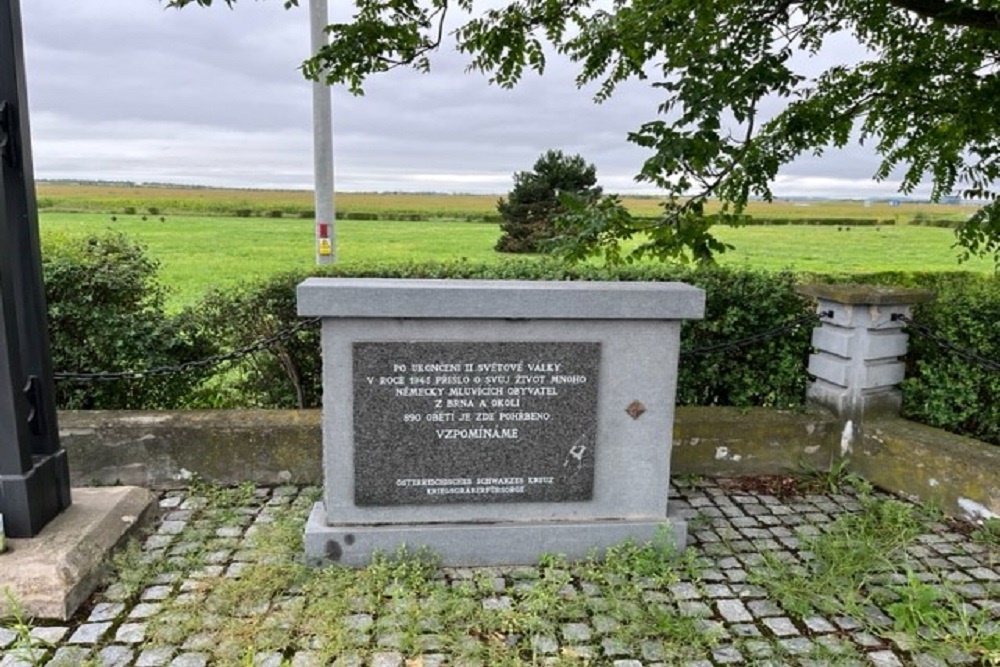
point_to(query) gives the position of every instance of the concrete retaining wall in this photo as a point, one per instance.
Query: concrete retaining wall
(164, 449)
(960, 475)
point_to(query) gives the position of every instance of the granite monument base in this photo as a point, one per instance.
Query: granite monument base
(482, 544)
(493, 422)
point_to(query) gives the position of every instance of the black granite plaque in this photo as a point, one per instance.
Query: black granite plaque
(474, 422)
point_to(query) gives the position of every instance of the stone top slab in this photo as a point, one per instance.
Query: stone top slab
(498, 299)
(875, 295)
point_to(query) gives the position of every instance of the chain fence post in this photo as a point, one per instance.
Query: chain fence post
(857, 360)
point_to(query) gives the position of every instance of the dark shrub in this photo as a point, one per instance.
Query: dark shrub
(106, 314)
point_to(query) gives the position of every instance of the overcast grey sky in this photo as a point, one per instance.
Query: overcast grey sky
(128, 90)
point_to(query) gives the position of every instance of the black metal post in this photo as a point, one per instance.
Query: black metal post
(34, 475)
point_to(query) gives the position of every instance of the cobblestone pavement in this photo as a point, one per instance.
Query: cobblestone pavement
(168, 604)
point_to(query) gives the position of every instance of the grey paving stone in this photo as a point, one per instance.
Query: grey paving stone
(497, 603)
(272, 659)
(651, 650)
(348, 660)
(158, 541)
(877, 618)
(7, 637)
(846, 623)
(432, 660)
(154, 593)
(130, 633)
(155, 657)
(744, 630)
(69, 656)
(218, 557)
(867, 640)
(927, 660)
(544, 645)
(884, 659)
(781, 626)
(613, 647)
(89, 633)
(171, 502)
(745, 522)
(727, 655)
(22, 657)
(718, 591)
(796, 645)
(145, 610)
(658, 599)
(604, 624)
(764, 608)
(758, 648)
(737, 575)
(115, 656)
(49, 634)
(190, 660)
(694, 608)
(575, 633)
(819, 625)
(733, 611)
(206, 572)
(307, 659)
(194, 503)
(202, 641)
(106, 611)
(984, 574)
(748, 591)
(171, 527)
(626, 663)
(685, 591)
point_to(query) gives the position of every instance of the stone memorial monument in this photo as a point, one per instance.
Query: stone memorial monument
(494, 421)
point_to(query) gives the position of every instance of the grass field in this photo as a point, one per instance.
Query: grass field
(197, 253)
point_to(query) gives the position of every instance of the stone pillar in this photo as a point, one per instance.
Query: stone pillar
(857, 363)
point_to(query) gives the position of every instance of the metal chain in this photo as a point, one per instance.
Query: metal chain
(237, 354)
(208, 362)
(759, 336)
(946, 344)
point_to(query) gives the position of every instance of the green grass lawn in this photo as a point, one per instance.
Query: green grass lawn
(855, 250)
(197, 253)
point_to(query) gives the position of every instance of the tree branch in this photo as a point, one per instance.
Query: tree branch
(952, 13)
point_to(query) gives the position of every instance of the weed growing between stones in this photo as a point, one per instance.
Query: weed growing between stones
(988, 533)
(835, 579)
(23, 646)
(864, 562)
(836, 479)
(407, 604)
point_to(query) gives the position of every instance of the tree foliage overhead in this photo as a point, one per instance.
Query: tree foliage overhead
(530, 210)
(925, 92)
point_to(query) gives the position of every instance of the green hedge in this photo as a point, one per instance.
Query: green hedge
(739, 303)
(941, 390)
(106, 313)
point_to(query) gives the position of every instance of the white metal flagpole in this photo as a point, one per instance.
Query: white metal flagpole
(322, 143)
